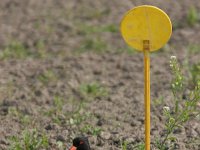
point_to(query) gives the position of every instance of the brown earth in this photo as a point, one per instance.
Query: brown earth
(58, 35)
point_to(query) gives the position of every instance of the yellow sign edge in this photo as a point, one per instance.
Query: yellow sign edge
(129, 11)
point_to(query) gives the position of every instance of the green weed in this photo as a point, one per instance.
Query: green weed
(192, 16)
(93, 45)
(95, 131)
(77, 118)
(194, 69)
(56, 111)
(111, 28)
(7, 90)
(127, 49)
(58, 103)
(60, 145)
(29, 140)
(176, 24)
(41, 49)
(15, 50)
(194, 48)
(47, 76)
(59, 116)
(158, 101)
(195, 73)
(140, 146)
(91, 29)
(78, 115)
(93, 41)
(92, 90)
(182, 111)
(23, 118)
(58, 120)
(126, 146)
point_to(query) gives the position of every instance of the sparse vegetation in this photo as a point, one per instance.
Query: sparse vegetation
(194, 49)
(77, 118)
(15, 50)
(195, 73)
(140, 146)
(192, 16)
(58, 103)
(47, 76)
(182, 110)
(92, 91)
(158, 101)
(93, 44)
(94, 41)
(127, 50)
(88, 129)
(60, 145)
(41, 49)
(193, 69)
(126, 146)
(56, 111)
(23, 118)
(91, 29)
(29, 140)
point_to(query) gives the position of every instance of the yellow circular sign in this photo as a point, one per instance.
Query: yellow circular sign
(146, 23)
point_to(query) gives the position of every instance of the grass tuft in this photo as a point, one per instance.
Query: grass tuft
(93, 90)
(47, 77)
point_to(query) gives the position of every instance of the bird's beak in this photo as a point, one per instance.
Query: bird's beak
(73, 148)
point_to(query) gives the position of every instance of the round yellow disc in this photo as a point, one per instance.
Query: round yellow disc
(146, 23)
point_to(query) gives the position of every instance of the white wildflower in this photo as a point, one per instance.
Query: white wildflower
(171, 65)
(166, 108)
(173, 57)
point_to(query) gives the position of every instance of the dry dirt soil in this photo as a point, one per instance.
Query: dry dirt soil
(65, 71)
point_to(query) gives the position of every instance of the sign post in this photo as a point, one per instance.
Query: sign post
(147, 93)
(146, 28)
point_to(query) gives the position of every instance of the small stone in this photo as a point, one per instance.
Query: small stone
(60, 138)
(49, 127)
(100, 122)
(177, 131)
(3, 110)
(105, 135)
(38, 93)
(130, 140)
(135, 123)
(92, 140)
(194, 133)
(97, 72)
(141, 120)
(116, 139)
(23, 96)
(3, 141)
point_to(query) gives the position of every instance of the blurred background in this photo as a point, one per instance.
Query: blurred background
(65, 71)
(48, 27)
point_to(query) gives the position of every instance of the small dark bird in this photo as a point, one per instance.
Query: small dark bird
(80, 143)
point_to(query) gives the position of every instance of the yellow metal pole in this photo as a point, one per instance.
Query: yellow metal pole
(146, 46)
